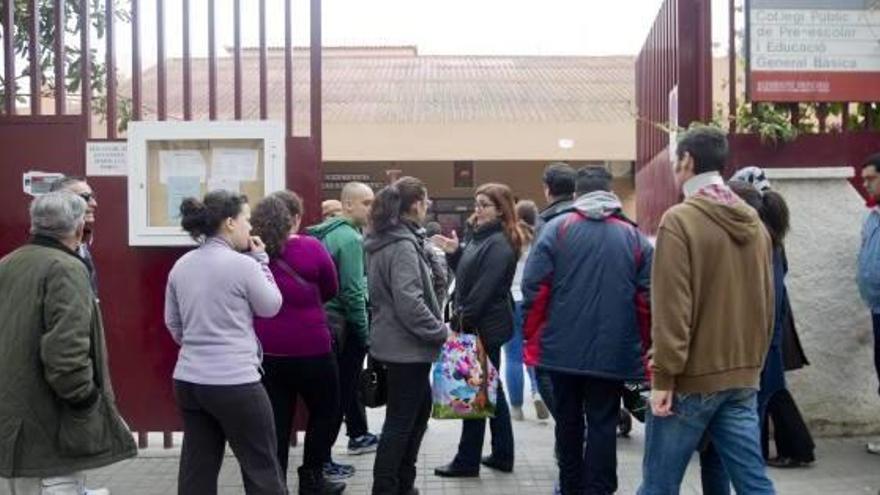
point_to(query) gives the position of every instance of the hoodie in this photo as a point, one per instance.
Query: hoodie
(712, 295)
(345, 244)
(585, 288)
(406, 319)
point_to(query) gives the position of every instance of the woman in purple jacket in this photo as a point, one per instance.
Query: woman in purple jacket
(296, 341)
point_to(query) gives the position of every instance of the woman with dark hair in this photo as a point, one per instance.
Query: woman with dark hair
(212, 296)
(484, 268)
(527, 212)
(298, 359)
(794, 444)
(407, 330)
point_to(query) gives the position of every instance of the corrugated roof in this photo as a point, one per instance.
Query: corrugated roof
(380, 88)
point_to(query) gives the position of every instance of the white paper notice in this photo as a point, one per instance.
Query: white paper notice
(181, 163)
(106, 158)
(235, 163)
(224, 183)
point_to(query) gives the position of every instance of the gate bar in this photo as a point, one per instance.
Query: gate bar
(316, 51)
(86, 70)
(109, 15)
(187, 68)
(9, 56)
(160, 62)
(60, 88)
(237, 49)
(136, 59)
(731, 62)
(34, 56)
(212, 64)
(288, 69)
(264, 90)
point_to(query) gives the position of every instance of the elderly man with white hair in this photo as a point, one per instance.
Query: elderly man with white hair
(58, 415)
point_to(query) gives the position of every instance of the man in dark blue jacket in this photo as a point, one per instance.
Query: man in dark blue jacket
(586, 289)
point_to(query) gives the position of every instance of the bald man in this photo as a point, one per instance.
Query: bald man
(347, 316)
(331, 208)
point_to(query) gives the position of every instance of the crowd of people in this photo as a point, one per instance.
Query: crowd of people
(575, 297)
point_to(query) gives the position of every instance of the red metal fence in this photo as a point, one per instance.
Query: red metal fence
(133, 279)
(678, 52)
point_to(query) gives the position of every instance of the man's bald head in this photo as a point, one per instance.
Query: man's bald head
(354, 191)
(356, 199)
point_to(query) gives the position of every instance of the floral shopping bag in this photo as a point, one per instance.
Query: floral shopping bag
(464, 382)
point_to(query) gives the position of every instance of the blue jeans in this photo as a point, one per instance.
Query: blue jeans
(875, 318)
(513, 362)
(731, 420)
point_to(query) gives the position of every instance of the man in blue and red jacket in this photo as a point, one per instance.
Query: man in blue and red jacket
(586, 296)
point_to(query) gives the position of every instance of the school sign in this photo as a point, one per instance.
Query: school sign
(813, 50)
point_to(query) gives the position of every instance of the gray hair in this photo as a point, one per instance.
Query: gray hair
(65, 182)
(57, 214)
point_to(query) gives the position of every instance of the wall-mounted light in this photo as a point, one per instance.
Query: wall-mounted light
(566, 143)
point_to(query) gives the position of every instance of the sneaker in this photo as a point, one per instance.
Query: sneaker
(873, 448)
(363, 444)
(97, 491)
(337, 472)
(541, 408)
(516, 413)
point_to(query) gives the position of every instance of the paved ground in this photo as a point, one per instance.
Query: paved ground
(843, 467)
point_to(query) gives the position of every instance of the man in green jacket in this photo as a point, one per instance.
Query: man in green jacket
(58, 415)
(347, 315)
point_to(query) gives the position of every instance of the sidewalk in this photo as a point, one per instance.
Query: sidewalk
(842, 467)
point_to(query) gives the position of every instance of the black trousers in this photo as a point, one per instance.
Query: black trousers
(473, 431)
(316, 380)
(790, 432)
(350, 355)
(406, 419)
(579, 398)
(213, 414)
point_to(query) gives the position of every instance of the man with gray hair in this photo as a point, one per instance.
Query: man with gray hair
(54, 362)
(79, 186)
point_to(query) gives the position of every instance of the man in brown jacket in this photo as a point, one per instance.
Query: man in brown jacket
(712, 307)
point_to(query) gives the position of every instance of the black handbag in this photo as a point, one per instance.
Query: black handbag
(373, 384)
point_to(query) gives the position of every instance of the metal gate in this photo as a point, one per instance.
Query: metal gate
(35, 137)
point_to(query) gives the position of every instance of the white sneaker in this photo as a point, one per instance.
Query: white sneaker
(541, 408)
(873, 448)
(96, 491)
(516, 413)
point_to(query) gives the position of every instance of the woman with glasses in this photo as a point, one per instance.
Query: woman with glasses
(484, 266)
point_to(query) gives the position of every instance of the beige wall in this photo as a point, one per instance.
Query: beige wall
(479, 141)
(523, 177)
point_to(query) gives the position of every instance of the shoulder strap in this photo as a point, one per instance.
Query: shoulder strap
(286, 268)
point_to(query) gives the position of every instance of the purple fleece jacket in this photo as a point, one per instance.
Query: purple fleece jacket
(212, 296)
(300, 328)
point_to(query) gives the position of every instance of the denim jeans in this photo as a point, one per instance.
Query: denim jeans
(731, 420)
(591, 403)
(875, 318)
(513, 362)
(473, 431)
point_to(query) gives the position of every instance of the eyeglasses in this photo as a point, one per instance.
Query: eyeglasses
(88, 197)
(483, 206)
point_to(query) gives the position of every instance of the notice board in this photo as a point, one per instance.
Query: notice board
(813, 50)
(169, 165)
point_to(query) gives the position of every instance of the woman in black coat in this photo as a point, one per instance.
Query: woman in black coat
(484, 267)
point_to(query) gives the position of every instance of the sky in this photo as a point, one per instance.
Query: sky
(436, 27)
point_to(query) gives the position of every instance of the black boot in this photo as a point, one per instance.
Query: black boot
(313, 482)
